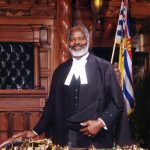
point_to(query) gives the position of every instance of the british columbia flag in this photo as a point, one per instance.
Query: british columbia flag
(123, 38)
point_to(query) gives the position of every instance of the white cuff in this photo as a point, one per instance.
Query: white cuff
(103, 123)
(34, 132)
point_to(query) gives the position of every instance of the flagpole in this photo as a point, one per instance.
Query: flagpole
(113, 52)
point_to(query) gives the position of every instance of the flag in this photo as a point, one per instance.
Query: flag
(123, 38)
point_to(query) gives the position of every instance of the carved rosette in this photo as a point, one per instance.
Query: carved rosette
(65, 22)
(13, 8)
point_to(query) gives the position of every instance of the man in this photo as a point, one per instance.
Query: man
(85, 105)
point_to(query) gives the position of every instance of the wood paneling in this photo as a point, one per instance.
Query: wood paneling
(20, 109)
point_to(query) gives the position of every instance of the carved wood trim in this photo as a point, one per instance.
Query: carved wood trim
(28, 8)
(22, 93)
(26, 21)
(65, 23)
(23, 29)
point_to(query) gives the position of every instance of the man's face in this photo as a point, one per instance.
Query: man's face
(77, 40)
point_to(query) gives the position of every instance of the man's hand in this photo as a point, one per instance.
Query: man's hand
(25, 134)
(91, 127)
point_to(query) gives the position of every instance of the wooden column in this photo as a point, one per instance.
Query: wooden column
(36, 67)
(65, 22)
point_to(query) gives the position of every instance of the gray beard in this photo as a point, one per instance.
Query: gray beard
(79, 53)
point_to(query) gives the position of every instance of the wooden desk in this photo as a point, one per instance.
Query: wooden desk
(19, 110)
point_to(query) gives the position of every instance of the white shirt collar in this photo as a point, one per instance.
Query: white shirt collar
(78, 69)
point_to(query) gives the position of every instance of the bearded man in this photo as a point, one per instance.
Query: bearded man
(85, 105)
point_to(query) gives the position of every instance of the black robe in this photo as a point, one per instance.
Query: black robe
(100, 98)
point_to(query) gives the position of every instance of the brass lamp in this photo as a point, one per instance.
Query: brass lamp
(98, 8)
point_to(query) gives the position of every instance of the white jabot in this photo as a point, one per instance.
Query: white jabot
(78, 70)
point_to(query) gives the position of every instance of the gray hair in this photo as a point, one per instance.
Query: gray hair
(83, 28)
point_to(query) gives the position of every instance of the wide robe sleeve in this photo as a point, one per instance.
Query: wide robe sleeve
(113, 97)
(47, 117)
(115, 113)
